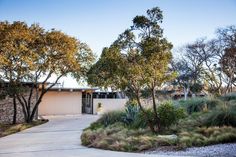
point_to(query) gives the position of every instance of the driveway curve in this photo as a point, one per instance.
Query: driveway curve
(60, 137)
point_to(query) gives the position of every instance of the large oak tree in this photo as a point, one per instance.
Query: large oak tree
(32, 54)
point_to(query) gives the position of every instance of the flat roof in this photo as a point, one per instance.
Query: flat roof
(72, 89)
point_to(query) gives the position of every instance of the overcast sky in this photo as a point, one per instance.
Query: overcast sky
(99, 22)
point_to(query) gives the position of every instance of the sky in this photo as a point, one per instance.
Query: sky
(99, 22)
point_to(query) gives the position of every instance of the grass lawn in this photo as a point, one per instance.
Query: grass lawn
(7, 129)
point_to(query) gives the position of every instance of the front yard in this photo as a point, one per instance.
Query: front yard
(205, 121)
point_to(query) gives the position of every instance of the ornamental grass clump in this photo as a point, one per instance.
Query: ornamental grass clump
(120, 138)
(225, 115)
(207, 135)
(109, 118)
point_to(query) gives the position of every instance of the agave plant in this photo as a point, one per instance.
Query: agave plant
(131, 113)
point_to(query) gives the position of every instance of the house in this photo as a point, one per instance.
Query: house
(62, 101)
(68, 101)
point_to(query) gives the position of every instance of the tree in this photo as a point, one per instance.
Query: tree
(184, 78)
(212, 61)
(202, 59)
(228, 63)
(31, 54)
(13, 41)
(139, 59)
(227, 38)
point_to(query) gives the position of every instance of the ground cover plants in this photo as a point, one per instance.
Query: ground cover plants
(194, 122)
(7, 129)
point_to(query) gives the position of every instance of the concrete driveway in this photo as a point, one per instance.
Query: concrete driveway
(60, 137)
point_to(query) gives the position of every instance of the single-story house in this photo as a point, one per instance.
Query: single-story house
(68, 101)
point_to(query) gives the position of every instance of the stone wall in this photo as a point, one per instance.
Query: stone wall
(6, 110)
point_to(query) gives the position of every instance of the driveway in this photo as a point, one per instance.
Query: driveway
(60, 137)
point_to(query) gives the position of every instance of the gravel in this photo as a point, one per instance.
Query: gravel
(222, 150)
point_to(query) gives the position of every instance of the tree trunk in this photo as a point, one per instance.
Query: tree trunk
(14, 110)
(29, 114)
(23, 107)
(150, 124)
(157, 119)
(186, 91)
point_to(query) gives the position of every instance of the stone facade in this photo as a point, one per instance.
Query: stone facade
(6, 110)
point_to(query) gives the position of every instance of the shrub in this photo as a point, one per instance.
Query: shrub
(193, 104)
(222, 116)
(213, 103)
(141, 120)
(229, 96)
(169, 114)
(232, 103)
(199, 104)
(95, 125)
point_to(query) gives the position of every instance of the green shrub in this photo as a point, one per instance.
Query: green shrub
(232, 102)
(199, 104)
(213, 103)
(229, 96)
(169, 114)
(95, 125)
(193, 104)
(141, 120)
(221, 116)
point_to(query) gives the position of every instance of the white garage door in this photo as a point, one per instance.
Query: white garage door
(61, 103)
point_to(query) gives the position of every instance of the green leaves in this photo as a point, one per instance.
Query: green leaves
(31, 54)
(139, 57)
(29, 49)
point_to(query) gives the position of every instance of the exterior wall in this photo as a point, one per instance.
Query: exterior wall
(116, 104)
(109, 104)
(6, 110)
(61, 103)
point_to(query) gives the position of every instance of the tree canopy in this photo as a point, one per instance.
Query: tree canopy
(211, 63)
(139, 59)
(32, 54)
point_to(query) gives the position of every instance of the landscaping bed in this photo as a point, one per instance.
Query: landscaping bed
(205, 121)
(7, 129)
